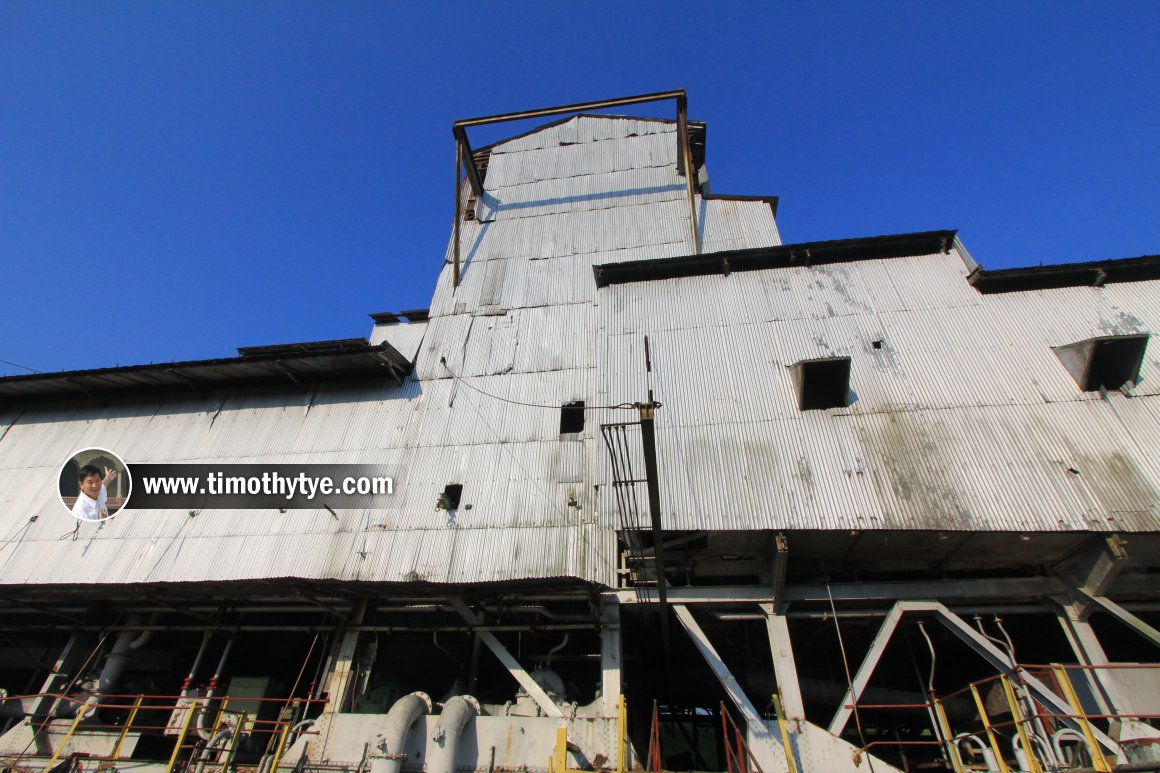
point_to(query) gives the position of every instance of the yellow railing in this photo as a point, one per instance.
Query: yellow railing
(88, 711)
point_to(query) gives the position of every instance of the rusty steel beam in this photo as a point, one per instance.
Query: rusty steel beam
(468, 160)
(658, 96)
(685, 167)
(458, 206)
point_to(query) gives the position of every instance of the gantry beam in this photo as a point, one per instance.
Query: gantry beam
(1000, 661)
(465, 158)
(1125, 617)
(546, 704)
(866, 670)
(719, 669)
(579, 107)
(1022, 588)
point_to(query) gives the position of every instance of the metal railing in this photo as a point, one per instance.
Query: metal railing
(141, 719)
(1035, 733)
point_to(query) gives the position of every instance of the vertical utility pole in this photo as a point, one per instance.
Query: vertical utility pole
(648, 439)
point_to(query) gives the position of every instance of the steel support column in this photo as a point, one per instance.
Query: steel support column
(649, 446)
(685, 166)
(468, 159)
(610, 657)
(778, 563)
(458, 210)
(342, 674)
(784, 667)
(1088, 651)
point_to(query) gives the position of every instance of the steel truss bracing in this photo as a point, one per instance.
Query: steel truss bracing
(465, 158)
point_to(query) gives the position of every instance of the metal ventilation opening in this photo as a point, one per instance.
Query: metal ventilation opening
(572, 417)
(449, 499)
(822, 383)
(1107, 362)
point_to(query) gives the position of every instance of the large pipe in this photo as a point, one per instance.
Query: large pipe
(217, 674)
(402, 716)
(989, 760)
(203, 729)
(141, 639)
(457, 712)
(188, 683)
(556, 649)
(119, 657)
(1066, 734)
(211, 747)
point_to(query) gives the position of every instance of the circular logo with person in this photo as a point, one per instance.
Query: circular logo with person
(95, 484)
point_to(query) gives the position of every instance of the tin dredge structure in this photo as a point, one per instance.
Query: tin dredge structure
(672, 494)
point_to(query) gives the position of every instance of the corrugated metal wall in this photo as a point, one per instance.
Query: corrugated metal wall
(962, 417)
(500, 354)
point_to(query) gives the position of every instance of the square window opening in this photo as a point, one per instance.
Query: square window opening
(822, 383)
(572, 417)
(449, 499)
(1107, 362)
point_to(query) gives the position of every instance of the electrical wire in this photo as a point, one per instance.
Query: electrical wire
(849, 682)
(531, 478)
(22, 367)
(618, 407)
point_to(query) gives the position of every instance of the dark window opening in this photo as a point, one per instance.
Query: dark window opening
(572, 417)
(823, 383)
(1110, 362)
(449, 499)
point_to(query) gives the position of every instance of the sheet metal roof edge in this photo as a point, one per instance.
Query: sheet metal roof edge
(697, 125)
(336, 345)
(291, 587)
(1089, 274)
(395, 317)
(784, 256)
(356, 359)
(772, 201)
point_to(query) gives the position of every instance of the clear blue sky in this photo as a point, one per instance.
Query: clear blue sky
(178, 179)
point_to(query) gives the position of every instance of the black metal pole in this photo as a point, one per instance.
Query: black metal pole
(649, 442)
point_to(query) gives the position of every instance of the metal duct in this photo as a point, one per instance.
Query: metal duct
(403, 714)
(119, 656)
(457, 712)
(203, 728)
